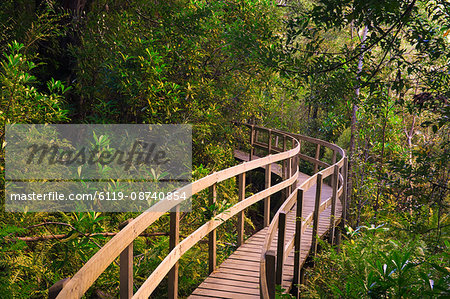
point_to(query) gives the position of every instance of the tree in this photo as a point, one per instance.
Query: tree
(384, 52)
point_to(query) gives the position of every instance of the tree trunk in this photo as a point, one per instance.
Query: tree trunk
(354, 122)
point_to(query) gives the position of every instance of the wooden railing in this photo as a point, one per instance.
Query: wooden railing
(271, 263)
(121, 244)
(281, 147)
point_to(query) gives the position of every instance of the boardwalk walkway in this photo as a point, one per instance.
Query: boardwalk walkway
(238, 276)
(249, 271)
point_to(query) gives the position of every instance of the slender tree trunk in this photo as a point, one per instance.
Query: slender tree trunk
(354, 121)
(380, 165)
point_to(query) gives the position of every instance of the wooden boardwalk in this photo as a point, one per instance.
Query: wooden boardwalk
(238, 276)
(245, 274)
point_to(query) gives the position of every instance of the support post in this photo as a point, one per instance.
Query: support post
(338, 239)
(270, 272)
(269, 142)
(212, 238)
(316, 214)
(126, 268)
(302, 275)
(316, 166)
(289, 174)
(174, 239)
(280, 246)
(294, 169)
(284, 161)
(298, 238)
(240, 224)
(268, 182)
(333, 203)
(252, 135)
(333, 159)
(55, 289)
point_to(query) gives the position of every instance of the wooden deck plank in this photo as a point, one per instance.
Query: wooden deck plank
(222, 294)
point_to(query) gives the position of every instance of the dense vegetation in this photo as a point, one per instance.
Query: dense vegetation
(371, 76)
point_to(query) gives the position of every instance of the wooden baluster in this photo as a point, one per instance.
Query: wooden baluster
(316, 214)
(288, 175)
(280, 247)
(333, 160)
(284, 149)
(294, 170)
(269, 142)
(268, 182)
(303, 275)
(333, 203)
(298, 237)
(240, 228)
(126, 268)
(212, 235)
(316, 166)
(54, 290)
(296, 162)
(270, 272)
(174, 239)
(252, 133)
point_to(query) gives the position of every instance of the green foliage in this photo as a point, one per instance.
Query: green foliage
(20, 101)
(380, 262)
(178, 61)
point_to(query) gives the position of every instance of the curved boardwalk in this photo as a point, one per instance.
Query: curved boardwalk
(238, 276)
(254, 269)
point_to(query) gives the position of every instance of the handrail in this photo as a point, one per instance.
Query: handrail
(86, 276)
(163, 268)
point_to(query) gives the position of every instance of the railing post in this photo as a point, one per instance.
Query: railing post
(268, 182)
(280, 247)
(276, 141)
(270, 272)
(174, 238)
(240, 224)
(283, 173)
(269, 142)
(54, 290)
(294, 169)
(252, 140)
(333, 203)
(298, 237)
(212, 235)
(289, 174)
(316, 214)
(333, 159)
(126, 268)
(303, 275)
(256, 135)
(316, 166)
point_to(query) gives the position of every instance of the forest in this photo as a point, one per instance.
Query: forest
(371, 76)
